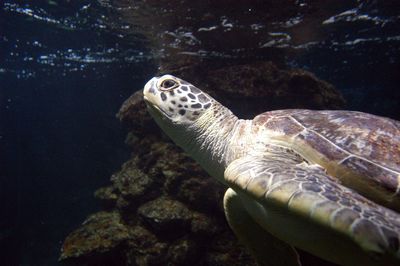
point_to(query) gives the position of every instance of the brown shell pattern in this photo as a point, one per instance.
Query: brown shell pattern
(362, 150)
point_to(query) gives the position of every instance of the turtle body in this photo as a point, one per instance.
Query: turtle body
(326, 182)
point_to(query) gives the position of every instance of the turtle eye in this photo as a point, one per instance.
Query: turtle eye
(168, 84)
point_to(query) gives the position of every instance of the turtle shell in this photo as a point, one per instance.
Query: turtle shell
(361, 150)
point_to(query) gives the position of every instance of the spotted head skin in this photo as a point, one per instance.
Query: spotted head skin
(192, 119)
(175, 99)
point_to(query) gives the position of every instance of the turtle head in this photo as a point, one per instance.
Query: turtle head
(175, 100)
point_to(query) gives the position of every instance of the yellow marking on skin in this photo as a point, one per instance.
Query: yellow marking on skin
(322, 211)
(301, 202)
(342, 221)
(282, 192)
(368, 241)
(242, 180)
(255, 187)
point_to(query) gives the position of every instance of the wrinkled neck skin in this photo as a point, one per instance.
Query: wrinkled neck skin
(208, 140)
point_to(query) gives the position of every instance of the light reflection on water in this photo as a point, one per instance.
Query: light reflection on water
(347, 31)
(301, 28)
(27, 56)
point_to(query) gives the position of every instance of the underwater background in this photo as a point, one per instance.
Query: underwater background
(67, 67)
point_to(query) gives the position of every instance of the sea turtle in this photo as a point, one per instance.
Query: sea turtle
(326, 182)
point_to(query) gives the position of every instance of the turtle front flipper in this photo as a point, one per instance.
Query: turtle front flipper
(265, 248)
(305, 207)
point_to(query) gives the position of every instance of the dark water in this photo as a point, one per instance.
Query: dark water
(66, 67)
(64, 73)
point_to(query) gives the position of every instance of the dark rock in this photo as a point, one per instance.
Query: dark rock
(204, 194)
(229, 258)
(224, 250)
(107, 197)
(169, 218)
(267, 87)
(203, 226)
(132, 140)
(145, 249)
(133, 186)
(100, 236)
(183, 252)
(264, 86)
(178, 172)
(133, 113)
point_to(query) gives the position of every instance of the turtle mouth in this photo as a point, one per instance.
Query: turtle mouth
(154, 108)
(146, 100)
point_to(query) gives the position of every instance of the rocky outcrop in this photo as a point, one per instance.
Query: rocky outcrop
(164, 225)
(98, 240)
(265, 87)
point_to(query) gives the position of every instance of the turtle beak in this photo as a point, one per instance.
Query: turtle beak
(150, 97)
(150, 92)
(149, 88)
